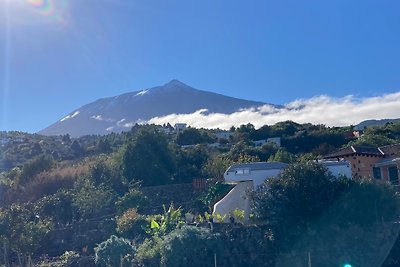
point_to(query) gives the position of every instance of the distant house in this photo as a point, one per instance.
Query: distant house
(372, 162)
(4, 141)
(223, 135)
(259, 142)
(247, 176)
(273, 140)
(179, 127)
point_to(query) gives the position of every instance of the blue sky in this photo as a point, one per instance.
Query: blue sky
(56, 56)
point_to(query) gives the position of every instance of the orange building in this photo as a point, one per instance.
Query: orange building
(370, 162)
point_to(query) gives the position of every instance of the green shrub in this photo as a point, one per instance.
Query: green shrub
(89, 200)
(111, 251)
(214, 193)
(133, 199)
(188, 246)
(131, 224)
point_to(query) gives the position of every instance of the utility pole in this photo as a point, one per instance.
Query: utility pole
(5, 254)
(309, 259)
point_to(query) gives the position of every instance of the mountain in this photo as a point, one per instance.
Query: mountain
(368, 123)
(118, 113)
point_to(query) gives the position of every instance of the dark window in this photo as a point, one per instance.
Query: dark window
(377, 173)
(393, 175)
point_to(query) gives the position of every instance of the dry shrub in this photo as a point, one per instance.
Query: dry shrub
(49, 182)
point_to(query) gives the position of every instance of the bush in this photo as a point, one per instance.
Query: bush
(133, 199)
(131, 224)
(214, 193)
(34, 167)
(188, 246)
(111, 251)
(58, 207)
(90, 200)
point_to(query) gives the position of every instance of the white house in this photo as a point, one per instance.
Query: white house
(338, 168)
(257, 172)
(180, 127)
(247, 176)
(275, 140)
(223, 135)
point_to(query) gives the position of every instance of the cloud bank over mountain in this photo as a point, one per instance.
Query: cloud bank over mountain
(323, 109)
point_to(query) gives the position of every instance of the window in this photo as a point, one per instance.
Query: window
(393, 175)
(239, 172)
(377, 173)
(242, 171)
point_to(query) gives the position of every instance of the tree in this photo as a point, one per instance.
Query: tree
(216, 167)
(296, 198)
(148, 158)
(104, 172)
(190, 161)
(282, 156)
(34, 167)
(77, 148)
(192, 136)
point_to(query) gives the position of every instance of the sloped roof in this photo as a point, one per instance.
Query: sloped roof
(352, 150)
(256, 166)
(390, 150)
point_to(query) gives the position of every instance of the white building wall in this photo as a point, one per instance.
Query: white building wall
(342, 168)
(237, 198)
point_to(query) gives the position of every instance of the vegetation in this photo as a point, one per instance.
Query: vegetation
(73, 198)
(114, 251)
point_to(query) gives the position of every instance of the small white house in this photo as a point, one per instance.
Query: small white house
(275, 140)
(259, 142)
(180, 127)
(223, 135)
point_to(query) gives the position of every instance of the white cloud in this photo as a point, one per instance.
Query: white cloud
(317, 110)
(100, 118)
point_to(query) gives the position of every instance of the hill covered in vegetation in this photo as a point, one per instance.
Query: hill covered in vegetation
(61, 197)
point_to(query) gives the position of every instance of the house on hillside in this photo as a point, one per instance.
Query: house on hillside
(247, 176)
(179, 127)
(276, 141)
(370, 162)
(257, 172)
(223, 135)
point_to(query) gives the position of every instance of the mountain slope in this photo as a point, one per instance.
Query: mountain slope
(368, 123)
(115, 114)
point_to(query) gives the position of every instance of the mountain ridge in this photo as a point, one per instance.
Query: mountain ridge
(121, 112)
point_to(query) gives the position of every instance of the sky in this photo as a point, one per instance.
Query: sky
(57, 55)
